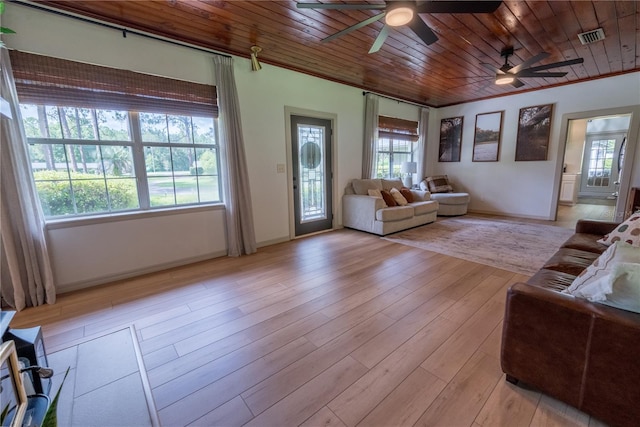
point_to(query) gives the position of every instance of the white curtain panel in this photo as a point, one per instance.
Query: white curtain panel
(370, 144)
(423, 132)
(25, 271)
(241, 237)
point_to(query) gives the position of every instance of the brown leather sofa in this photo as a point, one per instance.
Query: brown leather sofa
(582, 353)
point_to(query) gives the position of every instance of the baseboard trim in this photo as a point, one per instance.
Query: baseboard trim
(509, 215)
(134, 273)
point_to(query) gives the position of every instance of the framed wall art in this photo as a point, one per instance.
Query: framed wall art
(486, 140)
(534, 127)
(450, 139)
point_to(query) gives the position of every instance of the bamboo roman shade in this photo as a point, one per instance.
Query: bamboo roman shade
(393, 128)
(53, 81)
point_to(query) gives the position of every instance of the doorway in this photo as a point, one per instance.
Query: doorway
(311, 174)
(592, 175)
(602, 164)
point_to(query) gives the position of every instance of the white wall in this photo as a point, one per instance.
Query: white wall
(526, 189)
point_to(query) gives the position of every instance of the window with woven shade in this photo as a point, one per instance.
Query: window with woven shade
(105, 140)
(397, 140)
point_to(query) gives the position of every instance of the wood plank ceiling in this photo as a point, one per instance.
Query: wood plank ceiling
(444, 73)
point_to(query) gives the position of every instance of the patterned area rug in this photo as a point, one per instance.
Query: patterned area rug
(509, 245)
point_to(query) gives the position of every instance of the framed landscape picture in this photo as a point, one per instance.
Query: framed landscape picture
(486, 140)
(450, 139)
(534, 126)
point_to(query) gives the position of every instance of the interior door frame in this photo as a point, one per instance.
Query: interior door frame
(630, 153)
(333, 118)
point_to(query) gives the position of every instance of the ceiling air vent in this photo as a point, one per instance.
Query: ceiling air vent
(591, 36)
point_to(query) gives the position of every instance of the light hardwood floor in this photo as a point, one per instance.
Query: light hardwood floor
(341, 328)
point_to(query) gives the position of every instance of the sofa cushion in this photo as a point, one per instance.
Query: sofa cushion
(396, 213)
(362, 186)
(398, 197)
(388, 184)
(571, 261)
(423, 208)
(452, 198)
(407, 194)
(388, 198)
(551, 279)
(628, 231)
(585, 242)
(438, 184)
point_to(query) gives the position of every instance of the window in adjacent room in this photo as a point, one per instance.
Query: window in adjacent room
(397, 141)
(103, 140)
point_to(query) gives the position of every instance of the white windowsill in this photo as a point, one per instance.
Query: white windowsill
(60, 223)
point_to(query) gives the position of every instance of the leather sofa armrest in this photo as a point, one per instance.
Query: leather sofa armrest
(591, 226)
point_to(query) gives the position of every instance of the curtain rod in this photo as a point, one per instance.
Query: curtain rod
(124, 30)
(364, 93)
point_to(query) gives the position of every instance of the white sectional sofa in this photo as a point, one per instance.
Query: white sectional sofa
(371, 214)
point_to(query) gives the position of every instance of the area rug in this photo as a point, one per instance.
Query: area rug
(509, 245)
(107, 383)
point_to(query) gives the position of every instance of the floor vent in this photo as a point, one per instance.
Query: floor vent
(591, 36)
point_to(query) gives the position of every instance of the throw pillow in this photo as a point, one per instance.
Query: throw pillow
(407, 194)
(375, 193)
(398, 197)
(594, 283)
(388, 198)
(628, 231)
(625, 287)
(439, 184)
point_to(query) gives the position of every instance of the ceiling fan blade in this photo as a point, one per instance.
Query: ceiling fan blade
(380, 39)
(457, 6)
(529, 73)
(341, 6)
(530, 61)
(517, 83)
(557, 64)
(354, 27)
(422, 30)
(492, 67)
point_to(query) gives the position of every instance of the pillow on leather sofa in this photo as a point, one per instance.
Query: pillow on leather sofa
(625, 283)
(595, 282)
(628, 231)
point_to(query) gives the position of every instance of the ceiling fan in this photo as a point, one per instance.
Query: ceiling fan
(509, 74)
(399, 13)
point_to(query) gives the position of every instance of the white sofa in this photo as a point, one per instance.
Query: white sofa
(366, 213)
(451, 204)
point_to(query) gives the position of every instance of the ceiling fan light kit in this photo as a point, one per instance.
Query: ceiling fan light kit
(398, 15)
(504, 79)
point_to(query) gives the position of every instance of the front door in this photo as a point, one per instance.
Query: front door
(600, 169)
(312, 174)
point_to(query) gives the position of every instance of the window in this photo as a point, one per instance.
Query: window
(396, 145)
(137, 142)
